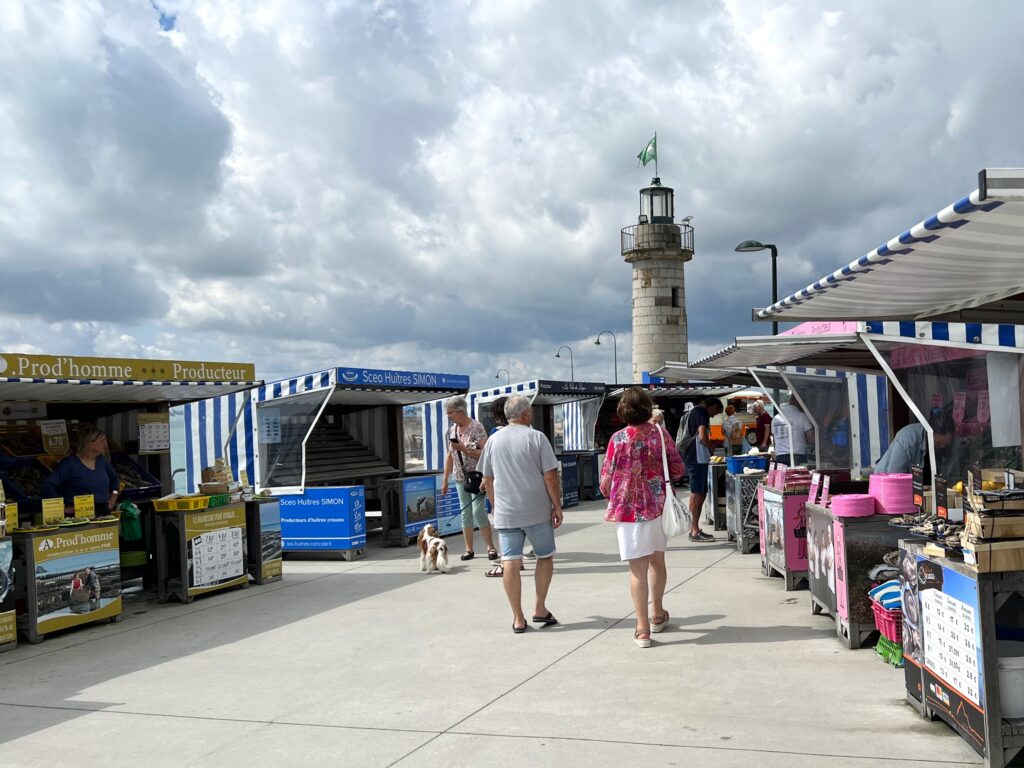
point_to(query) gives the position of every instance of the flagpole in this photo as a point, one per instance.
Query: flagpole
(656, 153)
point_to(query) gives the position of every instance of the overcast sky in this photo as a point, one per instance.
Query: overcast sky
(440, 186)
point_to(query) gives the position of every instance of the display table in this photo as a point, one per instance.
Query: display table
(714, 503)
(263, 529)
(949, 647)
(8, 624)
(841, 551)
(782, 523)
(200, 552)
(741, 510)
(65, 577)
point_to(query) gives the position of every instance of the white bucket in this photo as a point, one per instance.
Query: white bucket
(1011, 677)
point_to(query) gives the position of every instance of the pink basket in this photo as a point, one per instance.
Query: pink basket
(852, 505)
(889, 622)
(893, 492)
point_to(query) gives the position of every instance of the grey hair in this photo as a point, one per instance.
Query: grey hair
(457, 403)
(516, 407)
(87, 435)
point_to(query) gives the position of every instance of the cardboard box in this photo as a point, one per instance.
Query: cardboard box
(984, 527)
(995, 556)
(211, 489)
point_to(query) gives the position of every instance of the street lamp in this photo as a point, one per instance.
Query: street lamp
(508, 376)
(615, 351)
(572, 365)
(749, 246)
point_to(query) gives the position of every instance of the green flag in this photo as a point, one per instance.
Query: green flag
(649, 153)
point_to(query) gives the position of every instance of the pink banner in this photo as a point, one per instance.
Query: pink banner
(821, 329)
(914, 355)
(959, 407)
(795, 515)
(983, 408)
(839, 542)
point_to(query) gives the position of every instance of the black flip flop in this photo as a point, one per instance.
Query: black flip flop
(467, 555)
(545, 620)
(519, 630)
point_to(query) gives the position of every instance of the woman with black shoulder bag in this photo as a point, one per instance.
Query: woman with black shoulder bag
(466, 439)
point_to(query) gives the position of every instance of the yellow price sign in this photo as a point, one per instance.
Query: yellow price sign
(12, 514)
(53, 511)
(85, 507)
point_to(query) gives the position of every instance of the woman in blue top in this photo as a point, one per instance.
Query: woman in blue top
(86, 472)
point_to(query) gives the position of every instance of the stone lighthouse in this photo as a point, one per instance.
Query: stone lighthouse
(658, 249)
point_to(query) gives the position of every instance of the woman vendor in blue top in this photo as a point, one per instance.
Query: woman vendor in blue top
(85, 472)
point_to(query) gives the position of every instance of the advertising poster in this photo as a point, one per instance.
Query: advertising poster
(419, 502)
(77, 577)
(774, 529)
(821, 569)
(270, 539)
(8, 629)
(215, 545)
(570, 481)
(324, 519)
(449, 509)
(942, 644)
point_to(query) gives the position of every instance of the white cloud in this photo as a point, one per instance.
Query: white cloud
(439, 185)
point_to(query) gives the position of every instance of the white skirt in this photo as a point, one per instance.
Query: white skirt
(640, 539)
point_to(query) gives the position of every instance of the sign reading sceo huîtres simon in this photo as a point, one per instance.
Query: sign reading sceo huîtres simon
(324, 519)
(370, 377)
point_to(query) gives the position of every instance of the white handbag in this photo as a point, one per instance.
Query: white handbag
(674, 517)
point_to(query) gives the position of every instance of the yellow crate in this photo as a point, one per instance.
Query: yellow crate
(187, 504)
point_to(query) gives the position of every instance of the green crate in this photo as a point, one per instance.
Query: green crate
(890, 652)
(219, 500)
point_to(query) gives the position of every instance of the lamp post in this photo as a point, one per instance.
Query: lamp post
(508, 376)
(615, 351)
(572, 365)
(749, 246)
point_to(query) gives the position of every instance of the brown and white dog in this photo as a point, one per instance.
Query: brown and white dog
(433, 550)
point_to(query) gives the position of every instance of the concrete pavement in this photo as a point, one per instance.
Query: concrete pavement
(372, 663)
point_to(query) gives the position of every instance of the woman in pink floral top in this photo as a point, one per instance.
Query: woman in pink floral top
(633, 481)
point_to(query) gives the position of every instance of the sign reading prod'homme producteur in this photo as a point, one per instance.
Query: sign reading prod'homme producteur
(17, 365)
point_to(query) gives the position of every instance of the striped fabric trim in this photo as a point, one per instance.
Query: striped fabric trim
(134, 383)
(989, 334)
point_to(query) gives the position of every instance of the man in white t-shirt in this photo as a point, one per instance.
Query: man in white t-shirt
(799, 427)
(521, 476)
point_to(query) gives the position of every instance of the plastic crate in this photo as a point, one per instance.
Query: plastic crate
(219, 499)
(889, 622)
(182, 504)
(890, 652)
(736, 464)
(150, 486)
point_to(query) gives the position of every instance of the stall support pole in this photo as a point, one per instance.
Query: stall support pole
(778, 411)
(810, 418)
(910, 404)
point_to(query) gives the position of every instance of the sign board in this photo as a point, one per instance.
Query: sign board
(585, 388)
(368, 377)
(85, 507)
(215, 542)
(824, 490)
(154, 433)
(120, 369)
(570, 480)
(959, 407)
(917, 474)
(8, 628)
(19, 411)
(53, 511)
(812, 493)
(324, 519)
(55, 437)
(270, 550)
(269, 423)
(941, 502)
(77, 576)
(449, 509)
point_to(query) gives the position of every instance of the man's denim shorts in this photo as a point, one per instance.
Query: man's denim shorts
(541, 536)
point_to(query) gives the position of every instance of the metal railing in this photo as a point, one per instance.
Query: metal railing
(627, 237)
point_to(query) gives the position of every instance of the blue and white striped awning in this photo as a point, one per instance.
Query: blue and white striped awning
(968, 255)
(27, 390)
(692, 374)
(663, 391)
(838, 352)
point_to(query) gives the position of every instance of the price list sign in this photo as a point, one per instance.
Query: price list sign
(950, 644)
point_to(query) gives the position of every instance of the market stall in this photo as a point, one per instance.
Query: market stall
(565, 411)
(45, 401)
(340, 448)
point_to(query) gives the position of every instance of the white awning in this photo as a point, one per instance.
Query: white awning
(839, 352)
(969, 255)
(677, 371)
(659, 392)
(14, 389)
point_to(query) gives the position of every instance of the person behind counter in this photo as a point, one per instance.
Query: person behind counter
(87, 471)
(910, 446)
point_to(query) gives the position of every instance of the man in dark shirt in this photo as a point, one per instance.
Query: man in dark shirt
(695, 439)
(763, 430)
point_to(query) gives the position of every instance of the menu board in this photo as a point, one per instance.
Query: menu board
(951, 650)
(154, 433)
(217, 557)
